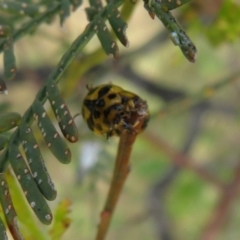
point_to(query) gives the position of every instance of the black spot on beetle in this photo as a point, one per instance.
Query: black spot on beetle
(96, 114)
(115, 107)
(100, 103)
(112, 96)
(90, 123)
(105, 121)
(104, 90)
(90, 104)
(99, 127)
(124, 100)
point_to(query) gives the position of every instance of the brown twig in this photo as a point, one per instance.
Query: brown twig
(182, 160)
(158, 191)
(219, 216)
(122, 166)
(121, 171)
(206, 94)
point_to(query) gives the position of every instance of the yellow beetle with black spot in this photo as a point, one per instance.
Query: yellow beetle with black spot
(108, 109)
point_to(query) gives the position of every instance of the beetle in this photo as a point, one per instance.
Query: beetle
(108, 110)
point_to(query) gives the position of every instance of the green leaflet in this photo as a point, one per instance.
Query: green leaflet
(29, 186)
(176, 33)
(54, 142)
(3, 142)
(3, 87)
(90, 12)
(65, 10)
(8, 209)
(16, 7)
(97, 4)
(36, 163)
(117, 24)
(29, 225)
(119, 27)
(9, 121)
(3, 160)
(109, 45)
(3, 234)
(9, 59)
(62, 114)
(61, 220)
(104, 36)
(76, 4)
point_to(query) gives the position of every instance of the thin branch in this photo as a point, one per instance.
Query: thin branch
(156, 205)
(122, 168)
(219, 216)
(182, 160)
(156, 199)
(205, 94)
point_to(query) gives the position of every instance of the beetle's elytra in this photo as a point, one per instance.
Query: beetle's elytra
(108, 110)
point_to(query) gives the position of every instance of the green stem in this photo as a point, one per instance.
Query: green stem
(205, 94)
(65, 61)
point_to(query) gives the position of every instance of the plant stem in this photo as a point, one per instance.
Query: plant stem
(121, 170)
(56, 74)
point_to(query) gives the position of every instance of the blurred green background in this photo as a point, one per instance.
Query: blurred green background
(184, 180)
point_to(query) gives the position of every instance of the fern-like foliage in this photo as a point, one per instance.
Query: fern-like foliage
(179, 37)
(28, 165)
